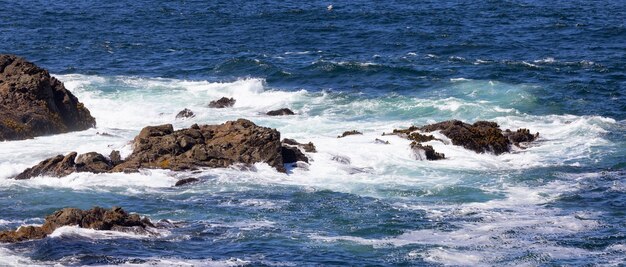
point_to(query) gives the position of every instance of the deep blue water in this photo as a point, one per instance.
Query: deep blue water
(557, 67)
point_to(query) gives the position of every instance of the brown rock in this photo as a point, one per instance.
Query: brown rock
(32, 103)
(481, 137)
(292, 154)
(223, 102)
(520, 136)
(280, 112)
(346, 133)
(308, 147)
(96, 218)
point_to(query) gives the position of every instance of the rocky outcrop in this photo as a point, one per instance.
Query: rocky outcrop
(160, 147)
(212, 146)
(481, 137)
(346, 133)
(223, 102)
(32, 103)
(96, 218)
(280, 112)
(185, 113)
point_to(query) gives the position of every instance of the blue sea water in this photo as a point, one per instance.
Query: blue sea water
(555, 67)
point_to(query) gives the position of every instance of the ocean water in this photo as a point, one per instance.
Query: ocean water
(555, 67)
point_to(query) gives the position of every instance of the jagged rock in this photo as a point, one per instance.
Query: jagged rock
(308, 147)
(57, 166)
(292, 154)
(427, 152)
(186, 181)
(520, 136)
(213, 146)
(482, 136)
(341, 159)
(346, 133)
(160, 147)
(96, 218)
(32, 103)
(185, 113)
(223, 102)
(280, 112)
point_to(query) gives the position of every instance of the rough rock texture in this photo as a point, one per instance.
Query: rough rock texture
(346, 133)
(160, 147)
(308, 147)
(212, 146)
(481, 137)
(427, 152)
(59, 166)
(223, 102)
(280, 112)
(32, 103)
(185, 113)
(185, 181)
(96, 218)
(520, 136)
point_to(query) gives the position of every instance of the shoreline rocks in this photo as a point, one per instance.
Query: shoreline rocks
(347, 133)
(185, 113)
(32, 103)
(97, 218)
(160, 147)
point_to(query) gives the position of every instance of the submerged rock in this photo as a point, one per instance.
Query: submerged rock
(97, 218)
(185, 113)
(223, 102)
(185, 181)
(346, 133)
(280, 112)
(32, 103)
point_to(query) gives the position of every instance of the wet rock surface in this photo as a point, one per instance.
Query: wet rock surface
(280, 112)
(347, 133)
(223, 102)
(160, 147)
(426, 152)
(185, 113)
(185, 181)
(32, 103)
(97, 218)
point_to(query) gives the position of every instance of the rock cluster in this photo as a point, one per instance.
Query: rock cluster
(185, 113)
(160, 147)
(96, 218)
(346, 133)
(32, 103)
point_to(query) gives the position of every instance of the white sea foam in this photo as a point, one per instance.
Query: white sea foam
(75, 231)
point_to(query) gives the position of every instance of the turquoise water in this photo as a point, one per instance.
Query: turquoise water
(556, 69)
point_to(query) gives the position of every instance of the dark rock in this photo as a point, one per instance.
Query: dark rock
(353, 132)
(186, 181)
(293, 154)
(160, 147)
(280, 112)
(308, 147)
(223, 102)
(93, 162)
(57, 166)
(185, 113)
(96, 218)
(341, 159)
(427, 152)
(115, 157)
(32, 103)
(212, 146)
(482, 136)
(520, 136)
